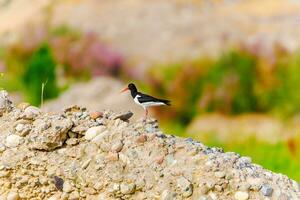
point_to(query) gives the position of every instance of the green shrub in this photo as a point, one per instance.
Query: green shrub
(40, 69)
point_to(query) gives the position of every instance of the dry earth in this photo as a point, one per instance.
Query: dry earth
(77, 154)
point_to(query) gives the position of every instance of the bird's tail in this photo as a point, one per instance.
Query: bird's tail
(167, 102)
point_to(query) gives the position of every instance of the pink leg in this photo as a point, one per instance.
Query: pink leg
(146, 114)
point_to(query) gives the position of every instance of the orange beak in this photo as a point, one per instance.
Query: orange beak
(124, 90)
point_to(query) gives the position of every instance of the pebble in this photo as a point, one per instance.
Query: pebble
(124, 116)
(92, 132)
(19, 127)
(283, 196)
(98, 185)
(2, 147)
(58, 182)
(4, 174)
(72, 141)
(204, 189)
(55, 197)
(13, 140)
(74, 196)
(31, 112)
(96, 114)
(142, 138)
(117, 147)
(240, 195)
(127, 188)
(113, 156)
(13, 196)
(167, 195)
(266, 190)
(23, 105)
(160, 159)
(220, 174)
(90, 190)
(185, 186)
(86, 164)
(67, 187)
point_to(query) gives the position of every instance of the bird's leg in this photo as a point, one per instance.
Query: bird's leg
(146, 114)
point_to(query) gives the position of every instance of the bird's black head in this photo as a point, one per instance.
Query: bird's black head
(132, 87)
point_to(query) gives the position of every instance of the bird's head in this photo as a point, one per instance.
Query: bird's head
(130, 87)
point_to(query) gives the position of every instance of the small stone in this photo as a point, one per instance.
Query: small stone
(13, 140)
(204, 189)
(2, 147)
(284, 196)
(255, 183)
(13, 196)
(266, 190)
(113, 156)
(2, 197)
(160, 159)
(90, 190)
(244, 187)
(167, 195)
(220, 174)
(92, 132)
(67, 187)
(98, 185)
(22, 129)
(55, 197)
(124, 116)
(19, 127)
(31, 111)
(185, 186)
(58, 182)
(4, 174)
(142, 138)
(96, 114)
(86, 164)
(240, 195)
(117, 147)
(74, 196)
(23, 105)
(72, 141)
(127, 188)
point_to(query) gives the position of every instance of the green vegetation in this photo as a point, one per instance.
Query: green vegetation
(40, 69)
(234, 83)
(37, 59)
(237, 82)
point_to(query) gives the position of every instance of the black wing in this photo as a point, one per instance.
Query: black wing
(147, 98)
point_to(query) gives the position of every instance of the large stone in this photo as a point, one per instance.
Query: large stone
(92, 132)
(49, 132)
(12, 140)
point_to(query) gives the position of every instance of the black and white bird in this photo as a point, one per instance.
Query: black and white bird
(145, 100)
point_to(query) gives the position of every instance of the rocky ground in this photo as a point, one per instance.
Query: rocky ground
(81, 154)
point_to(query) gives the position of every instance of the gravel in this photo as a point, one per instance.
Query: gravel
(70, 155)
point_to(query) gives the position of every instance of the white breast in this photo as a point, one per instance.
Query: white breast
(147, 104)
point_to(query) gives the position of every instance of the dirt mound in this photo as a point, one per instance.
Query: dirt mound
(77, 154)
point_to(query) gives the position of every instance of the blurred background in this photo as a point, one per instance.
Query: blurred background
(230, 67)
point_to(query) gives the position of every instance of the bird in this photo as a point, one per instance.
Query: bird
(145, 100)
